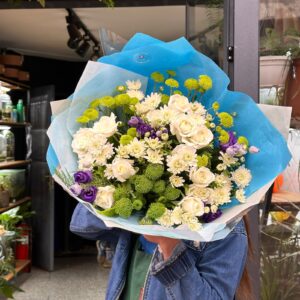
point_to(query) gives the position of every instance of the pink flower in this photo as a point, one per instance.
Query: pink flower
(254, 149)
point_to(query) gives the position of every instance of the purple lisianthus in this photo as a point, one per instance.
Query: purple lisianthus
(89, 194)
(231, 142)
(76, 189)
(143, 128)
(83, 176)
(209, 217)
(134, 121)
(236, 149)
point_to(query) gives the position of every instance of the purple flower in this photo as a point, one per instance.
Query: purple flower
(83, 176)
(134, 121)
(209, 217)
(76, 189)
(236, 149)
(89, 194)
(143, 128)
(231, 142)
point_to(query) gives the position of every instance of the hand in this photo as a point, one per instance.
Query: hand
(166, 245)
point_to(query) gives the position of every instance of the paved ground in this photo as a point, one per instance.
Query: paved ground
(75, 278)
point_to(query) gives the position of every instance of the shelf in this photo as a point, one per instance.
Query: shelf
(20, 266)
(13, 84)
(14, 163)
(15, 204)
(14, 124)
(285, 199)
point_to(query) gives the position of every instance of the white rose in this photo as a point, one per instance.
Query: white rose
(82, 139)
(169, 114)
(86, 162)
(107, 126)
(104, 198)
(192, 205)
(202, 176)
(199, 192)
(184, 126)
(122, 169)
(199, 139)
(179, 103)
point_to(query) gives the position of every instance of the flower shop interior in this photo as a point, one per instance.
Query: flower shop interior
(44, 48)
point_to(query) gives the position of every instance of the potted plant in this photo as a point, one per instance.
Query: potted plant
(4, 194)
(274, 60)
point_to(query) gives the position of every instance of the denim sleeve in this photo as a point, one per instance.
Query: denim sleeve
(88, 226)
(211, 274)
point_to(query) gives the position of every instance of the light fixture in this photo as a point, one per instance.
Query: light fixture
(80, 38)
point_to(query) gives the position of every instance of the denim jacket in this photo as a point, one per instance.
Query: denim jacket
(206, 271)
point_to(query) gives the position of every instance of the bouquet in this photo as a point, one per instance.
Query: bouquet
(163, 151)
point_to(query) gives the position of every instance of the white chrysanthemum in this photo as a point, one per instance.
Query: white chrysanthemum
(179, 103)
(108, 173)
(86, 162)
(227, 160)
(199, 192)
(202, 176)
(176, 181)
(104, 153)
(153, 100)
(220, 196)
(223, 180)
(136, 94)
(191, 221)
(200, 139)
(155, 118)
(141, 108)
(240, 195)
(168, 114)
(134, 84)
(176, 164)
(154, 143)
(166, 219)
(188, 154)
(192, 205)
(154, 156)
(176, 215)
(82, 140)
(106, 126)
(122, 151)
(214, 209)
(137, 148)
(197, 109)
(241, 177)
(122, 169)
(104, 198)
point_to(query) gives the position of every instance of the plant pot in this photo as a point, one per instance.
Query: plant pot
(4, 199)
(273, 71)
(292, 90)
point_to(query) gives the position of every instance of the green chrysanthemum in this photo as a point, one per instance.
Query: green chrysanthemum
(110, 212)
(155, 210)
(165, 99)
(202, 160)
(157, 77)
(171, 73)
(125, 139)
(191, 84)
(226, 119)
(205, 83)
(107, 101)
(154, 171)
(137, 204)
(133, 101)
(218, 128)
(123, 208)
(82, 120)
(142, 184)
(159, 186)
(91, 113)
(132, 132)
(171, 193)
(145, 221)
(224, 136)
(121, 192)
(122, 99)
(95, 103)
(216, 105)
(177, 92)
(243, 140)
(172, 83)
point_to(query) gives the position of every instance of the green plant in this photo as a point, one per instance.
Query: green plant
(280, 261)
